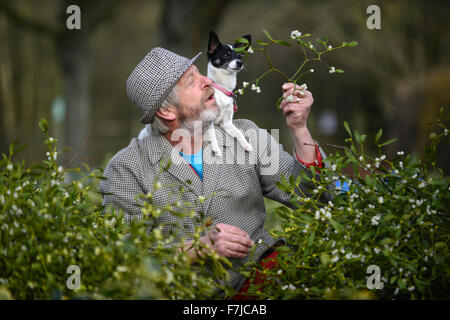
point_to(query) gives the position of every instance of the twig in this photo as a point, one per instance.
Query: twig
(83, 144)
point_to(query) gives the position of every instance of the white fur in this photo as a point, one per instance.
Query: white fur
(226, 78)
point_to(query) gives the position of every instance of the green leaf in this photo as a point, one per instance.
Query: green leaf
(240, 49)
(339, 71)
(357, 137)
(43, 124)
(440, 245)
(336, 225)
(284, 43)
(388, 142)
(352, 44)
(17, 150)
(389, 216)
(311, 238)
(262, 43)
(363, 138)
(12, 146)
(292, 181)
(347, 127)
(325, 259)
(267, 34)
(378, 136)
(242, 40)
(367, 235)
(307, 218)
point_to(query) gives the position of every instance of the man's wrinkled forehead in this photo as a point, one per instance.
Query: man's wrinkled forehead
(190, 72)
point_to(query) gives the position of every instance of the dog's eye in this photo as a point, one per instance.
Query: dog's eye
(226, 55)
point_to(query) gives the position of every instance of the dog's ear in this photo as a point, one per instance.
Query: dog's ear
(213, 43)
(248, 37)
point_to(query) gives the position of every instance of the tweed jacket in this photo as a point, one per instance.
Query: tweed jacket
(239, 180)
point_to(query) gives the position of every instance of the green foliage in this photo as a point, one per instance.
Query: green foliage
(49, 223)
(395, 217)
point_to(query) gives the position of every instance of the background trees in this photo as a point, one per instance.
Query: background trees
(396, 79)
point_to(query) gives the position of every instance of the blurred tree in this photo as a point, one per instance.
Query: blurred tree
(185, 24)
(73, 52)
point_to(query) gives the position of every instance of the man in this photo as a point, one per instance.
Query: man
(179, 104)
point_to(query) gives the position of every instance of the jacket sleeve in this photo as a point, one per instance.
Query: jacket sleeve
(270, 168)
(122, 185)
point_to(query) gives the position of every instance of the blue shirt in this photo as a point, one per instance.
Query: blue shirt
(196, 162)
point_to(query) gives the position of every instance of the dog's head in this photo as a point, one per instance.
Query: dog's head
(223, 56)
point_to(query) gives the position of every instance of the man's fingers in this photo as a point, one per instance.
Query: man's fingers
(230, 237)
(234, 254)
(236, 247)
(288, 109)
(232, 229)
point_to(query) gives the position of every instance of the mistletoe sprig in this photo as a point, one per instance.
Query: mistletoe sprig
(309, 51)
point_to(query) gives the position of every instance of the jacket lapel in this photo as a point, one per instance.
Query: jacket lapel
(212, 165)
(160, 149)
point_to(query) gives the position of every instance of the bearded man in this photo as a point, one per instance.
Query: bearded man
(179, 104)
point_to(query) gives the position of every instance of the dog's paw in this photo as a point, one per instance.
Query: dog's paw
(248, 147)
(215, 148)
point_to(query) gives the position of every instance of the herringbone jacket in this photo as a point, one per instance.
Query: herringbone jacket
(240, 181)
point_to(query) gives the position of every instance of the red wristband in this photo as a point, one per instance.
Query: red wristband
(315, 163)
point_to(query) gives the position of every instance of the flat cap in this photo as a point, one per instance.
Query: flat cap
(153, 78)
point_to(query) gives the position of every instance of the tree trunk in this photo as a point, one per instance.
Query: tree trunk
(7, 112)
(74, 57)
(185, 25)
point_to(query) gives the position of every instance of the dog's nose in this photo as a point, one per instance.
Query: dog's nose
(239, 63)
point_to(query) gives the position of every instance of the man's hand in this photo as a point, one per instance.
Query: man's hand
(296, 108)
(228, 241)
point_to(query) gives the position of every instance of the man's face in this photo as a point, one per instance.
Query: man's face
(196, 99)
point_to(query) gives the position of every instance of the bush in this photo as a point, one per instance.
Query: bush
(395, 218)
(49, 224)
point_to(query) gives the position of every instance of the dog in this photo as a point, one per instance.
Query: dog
(223, 66)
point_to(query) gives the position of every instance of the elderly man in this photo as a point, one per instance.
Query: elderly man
(179, 104)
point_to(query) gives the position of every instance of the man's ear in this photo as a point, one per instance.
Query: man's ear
(213, 42)
(166, 114)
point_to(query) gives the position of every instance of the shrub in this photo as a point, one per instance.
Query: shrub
(395, 218)
(49, 223)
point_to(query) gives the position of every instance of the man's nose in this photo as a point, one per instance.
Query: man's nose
(207, 82)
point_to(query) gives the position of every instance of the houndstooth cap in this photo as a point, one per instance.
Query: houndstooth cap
(153, 78)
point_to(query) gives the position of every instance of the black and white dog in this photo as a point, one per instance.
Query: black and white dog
(223, 66)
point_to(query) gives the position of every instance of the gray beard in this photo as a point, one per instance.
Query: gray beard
(204, 119)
